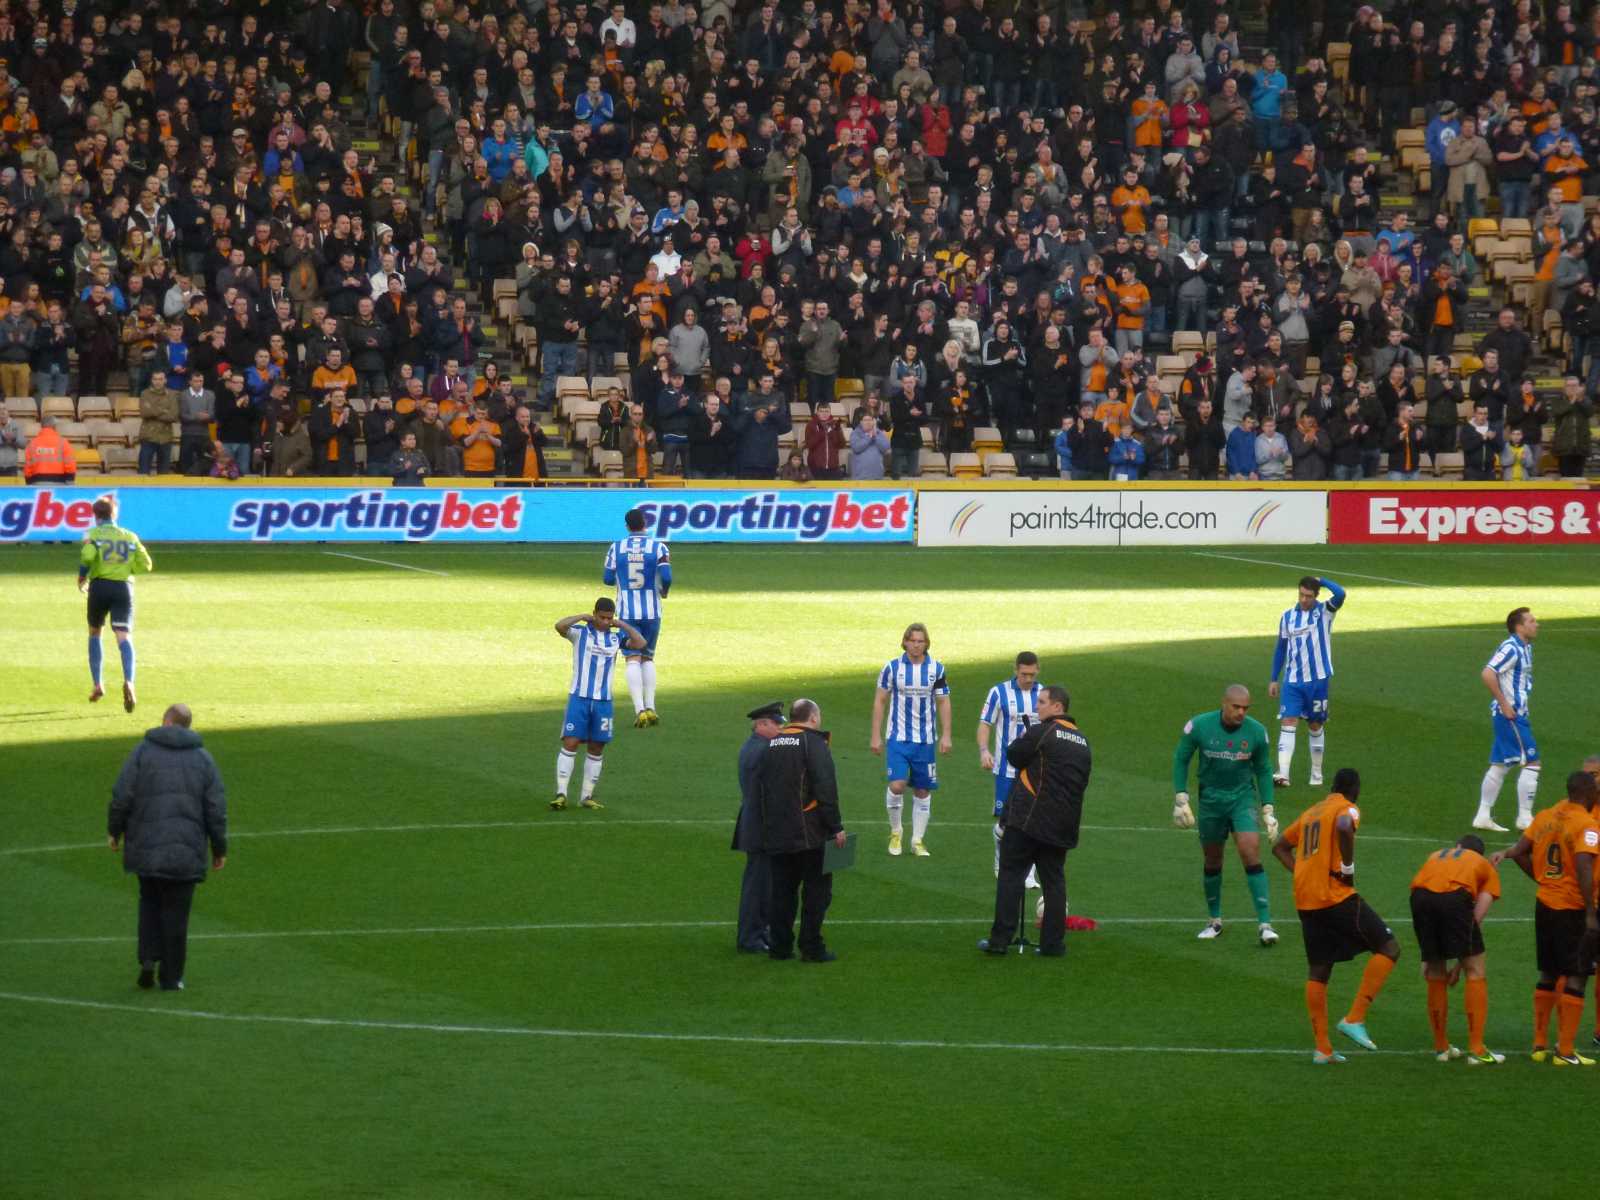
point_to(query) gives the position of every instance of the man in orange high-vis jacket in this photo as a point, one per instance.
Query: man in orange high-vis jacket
(49, 457)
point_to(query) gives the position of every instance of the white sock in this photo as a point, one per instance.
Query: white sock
(1490, 791)
(634, 672)
(591, 774)
(920, 807)
(998, 834)
(648, 670)
(1527, 784)
(1319, 741)
(893, 802)
(564, 761)
(1286, 737)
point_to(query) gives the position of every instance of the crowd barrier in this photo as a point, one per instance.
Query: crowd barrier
(931, 515)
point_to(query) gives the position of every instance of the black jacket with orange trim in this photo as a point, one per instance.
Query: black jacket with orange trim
(1046, 801)
(798, 791)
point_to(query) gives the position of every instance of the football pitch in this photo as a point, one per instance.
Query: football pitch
(412, 980)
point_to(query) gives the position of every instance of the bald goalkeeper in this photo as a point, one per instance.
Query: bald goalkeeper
(1235, 774)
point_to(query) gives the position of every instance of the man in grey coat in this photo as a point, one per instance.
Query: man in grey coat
(197, 408)
(755, 891)
(166, 807)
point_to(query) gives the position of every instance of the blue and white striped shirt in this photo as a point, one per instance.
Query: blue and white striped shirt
(913, 688)
(1006, 710)
(641, 568)
(594, 653)
(1305, 640)
(1513, 662)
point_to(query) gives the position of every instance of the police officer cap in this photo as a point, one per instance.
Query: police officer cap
(771, 712)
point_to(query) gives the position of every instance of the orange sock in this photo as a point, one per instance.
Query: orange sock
(1544, 1003)
(1569, 1013)
(1378, 968)
(1439, 1013)
(1477, 1013)
(1317, 1008)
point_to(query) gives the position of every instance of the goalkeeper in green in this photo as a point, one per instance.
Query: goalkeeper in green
(106, 565)
(1235, 771)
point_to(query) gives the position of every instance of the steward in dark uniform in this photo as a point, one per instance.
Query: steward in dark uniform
(1041, 822)
(755, 890)
(799, 803)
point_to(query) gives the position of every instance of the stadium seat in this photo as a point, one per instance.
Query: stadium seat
(583, 410)
(1037, 465)
(124, 405)
(601, 386)
(131, 427)
(1188, 340)
(358, 405)
(22, 408)
(91, 407)
(1000, 466)
(1516, 227)
(107, 433)
(571, 385)
(1406, 137)
(119, 460)
(1171, 364)
(75, 432)
(931, 465)
(29, 428)
(799, 412)
(60, 407)
(608, 464)
(848, 387)
(966, 466)
(927, 437)
(88, 457)
(585, 433)
(986, 438)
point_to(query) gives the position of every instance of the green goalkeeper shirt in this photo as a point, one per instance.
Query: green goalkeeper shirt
(112, 552)
(1235, 764)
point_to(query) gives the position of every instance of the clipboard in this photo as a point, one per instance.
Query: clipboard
(836, 858)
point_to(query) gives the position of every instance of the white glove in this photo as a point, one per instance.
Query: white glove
(1182, 815)
(1270, 820)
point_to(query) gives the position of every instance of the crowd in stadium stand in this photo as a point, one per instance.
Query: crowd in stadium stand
(817, 239)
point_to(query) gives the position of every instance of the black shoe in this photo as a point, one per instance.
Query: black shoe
(995, 950)
(780, 955)
(172, 987)
(1052, 952)
(147, 976)
(820, 956)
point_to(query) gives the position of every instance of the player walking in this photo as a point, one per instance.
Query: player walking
(1009, 708)
(1557, 852)
(1304, 658)
(110, 557)
(1509, 678)
(640, 568)
(1450, 896)
(595, 639)
(1235, 771)
(911, 687)
(1337, 924)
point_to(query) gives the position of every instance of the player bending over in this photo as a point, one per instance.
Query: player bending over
(912, 687)
(595, 641)
(1234, 772)
(1337, 924)
(1304, 658)
(1509, 678)
(641, 569)
(1450, 896)
(1557, 852)
(107, 563)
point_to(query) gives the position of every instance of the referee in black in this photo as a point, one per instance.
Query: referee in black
(799, 803)
(1041, 822)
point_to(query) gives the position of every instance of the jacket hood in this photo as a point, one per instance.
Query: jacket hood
(174, 737)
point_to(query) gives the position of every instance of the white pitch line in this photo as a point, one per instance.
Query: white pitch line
(976, 920)
(558, 825)
(619, 1035)
(384, 562)
(1263, 562)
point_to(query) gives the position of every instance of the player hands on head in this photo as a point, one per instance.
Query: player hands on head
(1303, 659)
(1337, 923)
(595, 639)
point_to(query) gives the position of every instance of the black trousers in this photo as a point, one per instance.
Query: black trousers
(755, 901)
(1018, 852)
(799, 882)
(164, 925)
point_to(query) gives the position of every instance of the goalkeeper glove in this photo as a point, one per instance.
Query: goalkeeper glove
(1270, 820)
(1182, 816)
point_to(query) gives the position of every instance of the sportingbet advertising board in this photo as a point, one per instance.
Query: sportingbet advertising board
(245, 513)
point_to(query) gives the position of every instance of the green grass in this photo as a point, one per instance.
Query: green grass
(387, 737)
